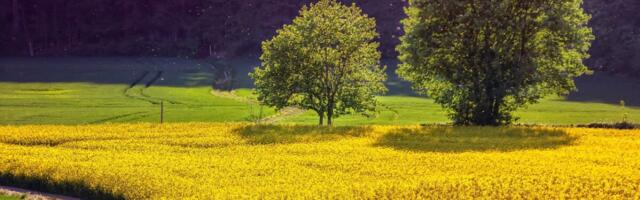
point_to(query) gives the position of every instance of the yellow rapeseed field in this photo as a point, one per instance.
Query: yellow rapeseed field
(240, 161)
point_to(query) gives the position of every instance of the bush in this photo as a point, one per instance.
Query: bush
(619, 125)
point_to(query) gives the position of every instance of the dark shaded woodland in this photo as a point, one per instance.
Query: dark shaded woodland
(224, 28)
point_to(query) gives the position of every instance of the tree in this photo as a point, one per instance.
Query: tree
(482, 60)
(326, 61)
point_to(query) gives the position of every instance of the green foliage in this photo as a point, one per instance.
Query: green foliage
(326, 61)
(625, 115)
(484, 59)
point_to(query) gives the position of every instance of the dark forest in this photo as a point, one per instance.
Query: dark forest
(224, 29)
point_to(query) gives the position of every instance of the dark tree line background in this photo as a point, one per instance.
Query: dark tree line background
(226, 28)
(194, 28)
(616, 25)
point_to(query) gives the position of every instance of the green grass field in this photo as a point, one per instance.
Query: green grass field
(550, 111)
(96, 90)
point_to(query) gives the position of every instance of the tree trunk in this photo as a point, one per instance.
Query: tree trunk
(54, 26)
(16, 18)
(30, 46)
(330, 114)
(27, 34)
(321, 116)
(27, 38)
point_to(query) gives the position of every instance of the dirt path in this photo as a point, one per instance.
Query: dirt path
(233, 96)
(284, 113)
(32, 195)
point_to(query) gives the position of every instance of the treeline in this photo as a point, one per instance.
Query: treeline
(194, 28)
(616, 24)
(224, 28)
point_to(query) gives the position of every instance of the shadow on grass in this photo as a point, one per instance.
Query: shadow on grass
(472, 139)
(288, 134)
(605, 88)
(67, 188)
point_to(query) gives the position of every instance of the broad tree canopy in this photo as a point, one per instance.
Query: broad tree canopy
(326, 61)
(484, 59)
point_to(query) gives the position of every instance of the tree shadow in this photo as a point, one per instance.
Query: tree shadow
(604, 88)
(396, 85)
(288, 134)
(109, 70)
(67, 188)
(449, 139)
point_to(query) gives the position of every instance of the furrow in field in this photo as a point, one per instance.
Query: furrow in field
(117, 117)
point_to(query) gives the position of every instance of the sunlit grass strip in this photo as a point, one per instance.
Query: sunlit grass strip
(207, 161)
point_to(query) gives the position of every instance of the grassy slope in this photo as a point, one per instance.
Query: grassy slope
(81, 103)
(93, 90)
(175, 161)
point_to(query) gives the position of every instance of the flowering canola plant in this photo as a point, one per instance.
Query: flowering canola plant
(243, 161)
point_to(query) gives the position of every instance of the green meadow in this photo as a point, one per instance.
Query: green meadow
(102, 90)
